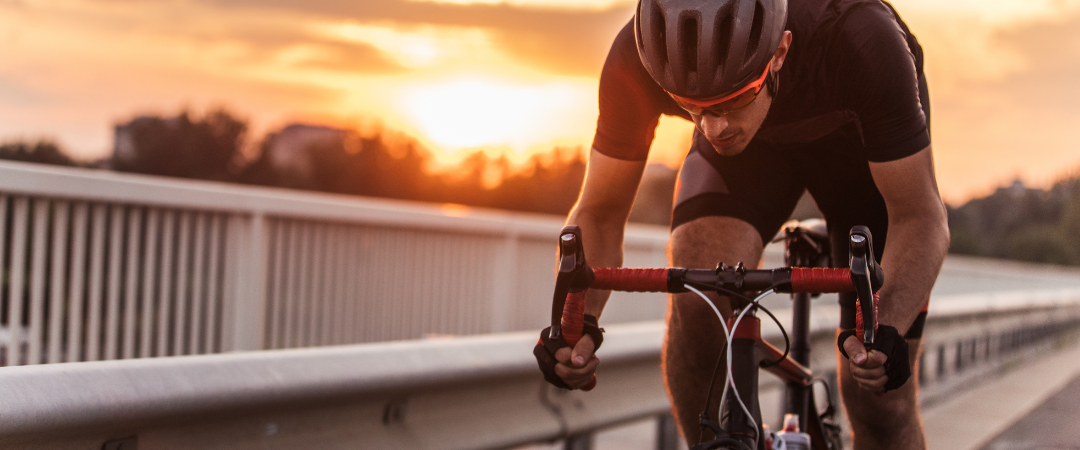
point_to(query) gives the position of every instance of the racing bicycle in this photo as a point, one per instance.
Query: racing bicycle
(739, 426)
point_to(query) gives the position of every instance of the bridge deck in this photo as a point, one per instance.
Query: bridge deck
(1029, 407)
(1050, 425)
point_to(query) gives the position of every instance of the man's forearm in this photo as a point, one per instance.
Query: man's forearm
(601, 211)
(912, 260)
(603, 241)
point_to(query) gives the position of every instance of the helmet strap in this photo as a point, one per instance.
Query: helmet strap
(772, 82)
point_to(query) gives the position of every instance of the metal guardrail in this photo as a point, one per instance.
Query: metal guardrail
(972, 335)
(464, 393)
(456, 393)
(104, 265)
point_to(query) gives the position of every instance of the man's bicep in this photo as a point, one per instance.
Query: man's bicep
(610, 188)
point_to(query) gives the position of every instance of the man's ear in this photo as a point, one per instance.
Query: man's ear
(781, 51)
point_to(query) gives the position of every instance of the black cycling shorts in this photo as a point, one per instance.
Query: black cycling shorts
(762, 185)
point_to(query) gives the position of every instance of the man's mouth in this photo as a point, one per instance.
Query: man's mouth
(724, 141)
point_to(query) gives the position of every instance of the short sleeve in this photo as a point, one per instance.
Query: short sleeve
(883, 84)
(630, 103)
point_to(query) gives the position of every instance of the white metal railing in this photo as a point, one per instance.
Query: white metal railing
(105, 265)
(463, 393)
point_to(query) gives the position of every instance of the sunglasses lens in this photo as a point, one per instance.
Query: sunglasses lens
(739, 102)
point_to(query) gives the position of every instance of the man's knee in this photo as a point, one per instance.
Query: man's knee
(694, 331)
(706, 241)
(873, 411)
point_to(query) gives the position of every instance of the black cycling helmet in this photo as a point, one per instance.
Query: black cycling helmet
(707, 48)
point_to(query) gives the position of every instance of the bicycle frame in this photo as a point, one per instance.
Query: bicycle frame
(750, 352)
(802, 249)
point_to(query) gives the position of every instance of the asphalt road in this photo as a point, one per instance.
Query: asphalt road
(1055, 424)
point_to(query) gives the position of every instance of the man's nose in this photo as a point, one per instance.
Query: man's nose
(713, 125)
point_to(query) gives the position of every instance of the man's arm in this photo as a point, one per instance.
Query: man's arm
(602, 210)
(917, 244)
(918, 236)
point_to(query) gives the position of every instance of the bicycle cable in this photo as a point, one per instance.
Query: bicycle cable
(757, 302)
(731, 380)
(716, 368)
(828, 393)
(729, 335)
(787, 341)
(720, 289)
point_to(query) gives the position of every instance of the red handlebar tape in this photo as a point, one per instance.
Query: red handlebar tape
(817, 279)
(573, 318)
(573, 324)
(631, 280)
(609, 278)
(859, 325)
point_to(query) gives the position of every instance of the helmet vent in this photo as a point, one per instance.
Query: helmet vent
(688, 42)
(659, 33)
(754, 40)
(725, 27)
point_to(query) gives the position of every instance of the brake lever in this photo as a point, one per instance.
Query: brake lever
(574, 275)
(867, 277)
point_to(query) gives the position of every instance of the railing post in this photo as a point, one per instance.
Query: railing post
(667, 434)
(941, 365)
(244, 301)
(505, 282)
(582, 441)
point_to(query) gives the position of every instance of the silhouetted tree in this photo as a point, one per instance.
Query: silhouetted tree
(1016, 222)
(340, 161)
(206, 148)
(383, 164)
(42, 151)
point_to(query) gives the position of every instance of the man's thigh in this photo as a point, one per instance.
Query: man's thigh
(707, 241)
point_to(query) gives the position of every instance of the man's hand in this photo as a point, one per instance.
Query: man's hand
(570, 368)
(578, 366)
(883, 368)
(867, 367)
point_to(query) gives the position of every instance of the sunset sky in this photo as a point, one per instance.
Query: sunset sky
(516, 76)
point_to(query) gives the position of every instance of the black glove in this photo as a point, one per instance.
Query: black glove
(895, 347)
(546, 347)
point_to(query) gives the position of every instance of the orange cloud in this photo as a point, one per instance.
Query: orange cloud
(1003, 98)
(570, 41)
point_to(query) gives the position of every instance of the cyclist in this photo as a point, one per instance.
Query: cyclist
(820, 95)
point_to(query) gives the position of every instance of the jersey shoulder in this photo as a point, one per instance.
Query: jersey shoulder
(630, 102)
(853, 60)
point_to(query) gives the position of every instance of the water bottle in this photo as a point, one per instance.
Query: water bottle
(790, 438)
(772, 442)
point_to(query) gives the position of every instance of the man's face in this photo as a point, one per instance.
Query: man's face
(730, 133)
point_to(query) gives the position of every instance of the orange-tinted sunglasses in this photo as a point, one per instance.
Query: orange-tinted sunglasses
(727, 103)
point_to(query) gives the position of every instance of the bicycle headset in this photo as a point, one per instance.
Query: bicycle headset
(708, 49)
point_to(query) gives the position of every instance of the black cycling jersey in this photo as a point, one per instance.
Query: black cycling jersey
(850, 61)
(851, 92)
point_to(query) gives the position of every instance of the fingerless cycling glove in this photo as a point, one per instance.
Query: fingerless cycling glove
(895, 347)
(545, 348)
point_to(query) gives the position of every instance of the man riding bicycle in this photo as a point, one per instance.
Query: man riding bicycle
(820, 95)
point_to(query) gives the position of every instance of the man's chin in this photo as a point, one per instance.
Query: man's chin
(730, 150)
